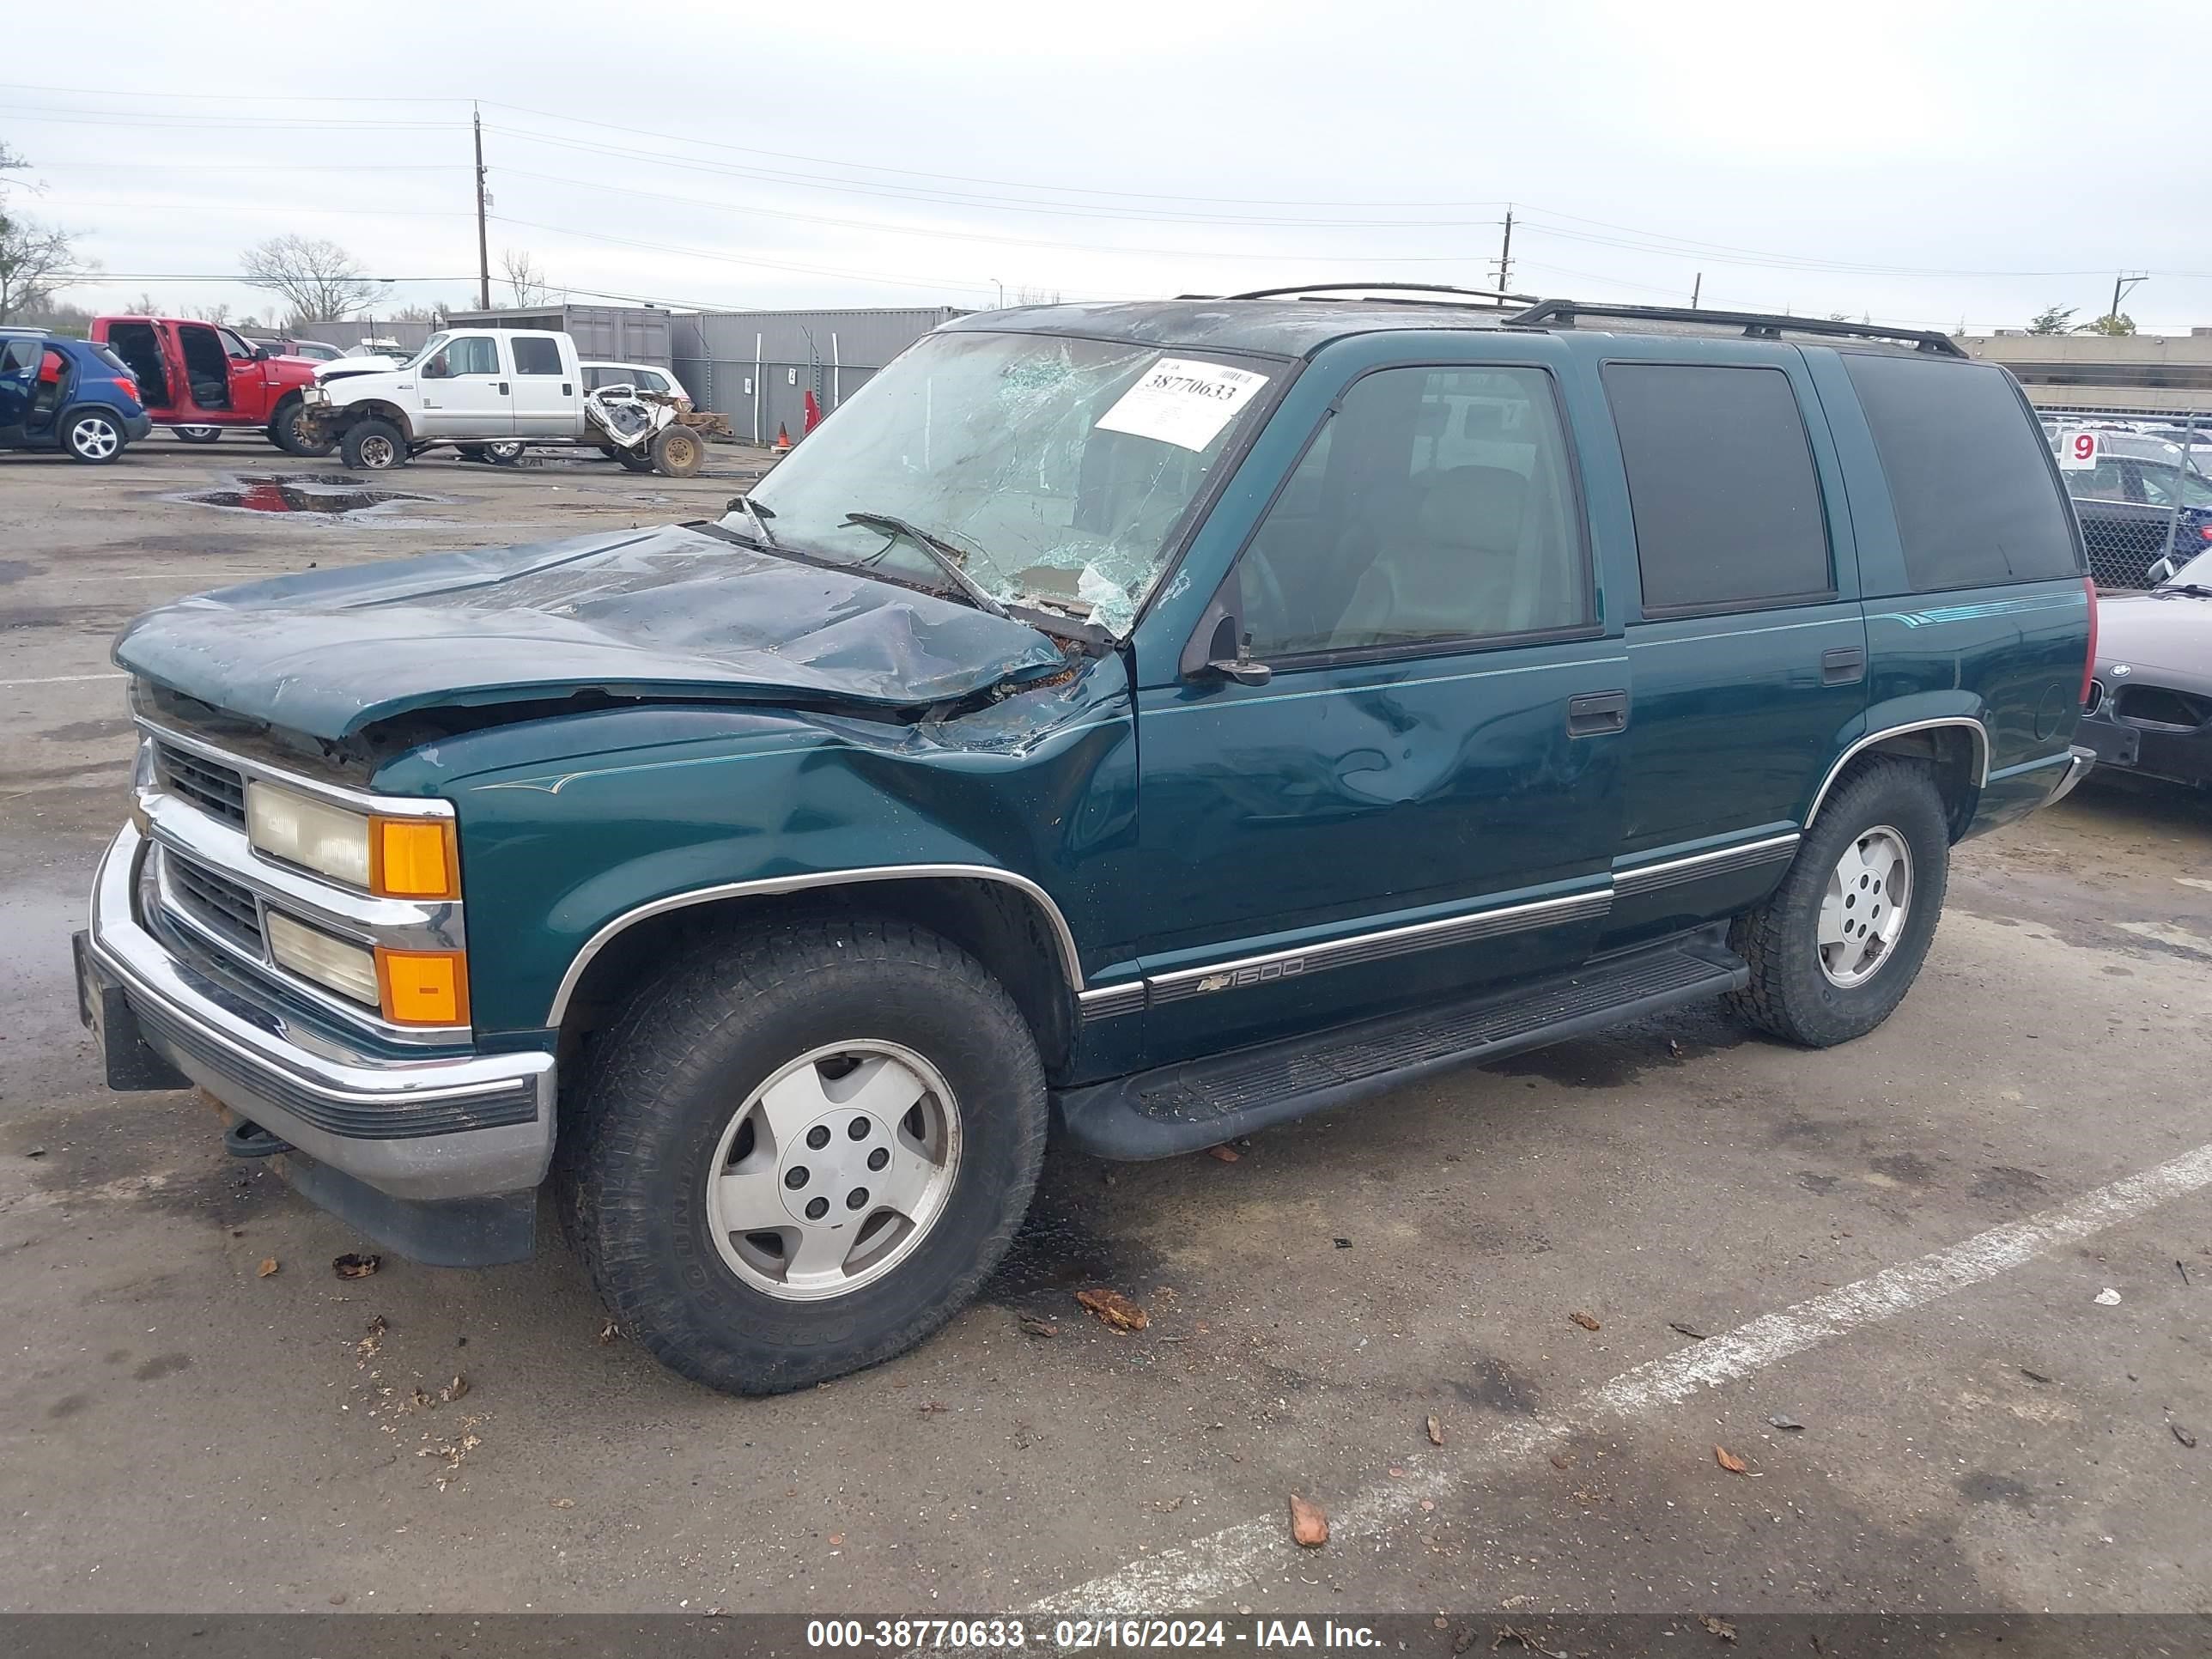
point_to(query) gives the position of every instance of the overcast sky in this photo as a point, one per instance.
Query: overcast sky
(1924, 163)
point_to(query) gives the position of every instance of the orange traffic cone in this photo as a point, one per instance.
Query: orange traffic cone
(782, 438)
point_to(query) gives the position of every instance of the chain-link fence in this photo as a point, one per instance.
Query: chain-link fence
(2141, 480)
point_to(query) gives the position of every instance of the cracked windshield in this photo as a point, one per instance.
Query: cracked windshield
(1053, 471)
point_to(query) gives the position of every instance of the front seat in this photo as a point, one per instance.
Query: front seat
(1455, 570)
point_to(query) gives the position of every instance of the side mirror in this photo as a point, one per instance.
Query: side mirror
(2162, 571)
(1223, 650)
(262, 354)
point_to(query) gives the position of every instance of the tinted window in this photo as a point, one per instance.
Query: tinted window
(1720, 475)
(1968, 472)
(1436, 505)
(536, 357)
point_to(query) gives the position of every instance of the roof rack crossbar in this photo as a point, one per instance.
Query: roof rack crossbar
(1494, 294)
(1756, 325)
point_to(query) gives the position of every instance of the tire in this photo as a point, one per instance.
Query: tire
(372, 445)
(93, 434)
(635, 461)
(678, 452)
(289, 431)
(674, 1094)
(199, 434)
(1882, 838)
(502, 454)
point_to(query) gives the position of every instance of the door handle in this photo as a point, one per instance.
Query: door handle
(565, 391)
(1843, 665)
(502, 388)
(1596, 712)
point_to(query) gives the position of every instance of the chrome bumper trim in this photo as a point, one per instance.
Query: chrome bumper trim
(431, 1128)
(2078, 762)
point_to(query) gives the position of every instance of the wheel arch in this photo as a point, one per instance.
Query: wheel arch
(1006, 921)
(1957, 745)
(346, 415)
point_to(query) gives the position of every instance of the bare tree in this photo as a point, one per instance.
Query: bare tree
(1036, 296)
(319, 280)
(214, 313)
(524, 277)
(36, 260)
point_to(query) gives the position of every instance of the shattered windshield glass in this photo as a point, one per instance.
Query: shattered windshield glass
(1056, 469)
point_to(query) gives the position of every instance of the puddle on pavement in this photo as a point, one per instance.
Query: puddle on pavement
(315, 496)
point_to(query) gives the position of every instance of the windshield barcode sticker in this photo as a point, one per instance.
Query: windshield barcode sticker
(1179, 401)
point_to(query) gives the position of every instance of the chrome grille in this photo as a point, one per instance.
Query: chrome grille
(208, 784)
(216, 902)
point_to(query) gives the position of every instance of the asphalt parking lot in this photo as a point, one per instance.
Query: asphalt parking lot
(1899, 1245)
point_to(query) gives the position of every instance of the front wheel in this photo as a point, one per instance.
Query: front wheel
(1835, 947)
(372, 445)
(801, 1151)
(92, 436)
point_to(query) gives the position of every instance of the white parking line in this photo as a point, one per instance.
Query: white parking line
(1202, 1573)
(62, 680)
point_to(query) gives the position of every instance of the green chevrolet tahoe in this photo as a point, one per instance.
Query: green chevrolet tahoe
(1138, 724)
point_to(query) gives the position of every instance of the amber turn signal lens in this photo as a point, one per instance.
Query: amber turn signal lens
(413, 858)
(423, 987)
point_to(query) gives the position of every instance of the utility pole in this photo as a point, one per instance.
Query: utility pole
(2121, 284)
(484, 246)
(1505, 254)
(1697, 287)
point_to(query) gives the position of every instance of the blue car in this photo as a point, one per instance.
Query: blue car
(70, 395)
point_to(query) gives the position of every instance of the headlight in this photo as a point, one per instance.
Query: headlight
(348, 968)
(391, 857)
(300, 829)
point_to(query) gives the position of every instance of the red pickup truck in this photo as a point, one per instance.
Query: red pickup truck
(200, 379)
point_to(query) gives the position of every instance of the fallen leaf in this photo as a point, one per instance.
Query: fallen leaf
(932, 1409)
(564, 1503)
(1720, 1628)
(1728, 1460)
(1436, 1433)
(454, 1389)
(1588, 1321)
(2033, 1376)
(1507, 1633)
(1032, 1326)
(837, 1539)
(2183, 1436)
(1119, 1313)
(350, 1266)
(1224, 1153)
(1309, 1526)
(268, 1267)
(1783, 1420)
(608, 1332)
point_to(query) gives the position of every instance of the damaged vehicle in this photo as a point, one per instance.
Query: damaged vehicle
(1141, 724)
(491, 393)
(2150, 713)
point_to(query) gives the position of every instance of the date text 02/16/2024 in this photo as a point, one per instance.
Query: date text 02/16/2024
(1082, 1635)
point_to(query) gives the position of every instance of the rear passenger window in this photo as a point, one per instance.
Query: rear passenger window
(536, 357)
(1720, 475)
(1435, 506)
(1968, 471)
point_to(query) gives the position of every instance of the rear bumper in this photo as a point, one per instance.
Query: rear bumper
(452, 1127)
(136, 427)
(2079, 761)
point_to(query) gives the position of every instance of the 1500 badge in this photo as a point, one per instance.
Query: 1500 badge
(1236, 979)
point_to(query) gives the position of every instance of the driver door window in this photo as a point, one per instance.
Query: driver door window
(1435, 507)
(463, 392)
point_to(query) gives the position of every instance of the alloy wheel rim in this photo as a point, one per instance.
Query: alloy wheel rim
(834, 1170)
(1863, 912)
(94, 438)
(376, 452)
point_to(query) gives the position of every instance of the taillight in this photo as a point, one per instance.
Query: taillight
(2089, 665)
(2205, 532)
(130, 386)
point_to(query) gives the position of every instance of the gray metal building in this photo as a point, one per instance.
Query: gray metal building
(756, 366)
(621, 334)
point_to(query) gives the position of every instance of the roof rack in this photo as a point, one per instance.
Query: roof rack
(1497, 296)
(1756, 325)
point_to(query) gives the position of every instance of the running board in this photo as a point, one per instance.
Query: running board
(1197, 1103)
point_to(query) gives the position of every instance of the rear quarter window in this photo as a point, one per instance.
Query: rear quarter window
(1969, 473)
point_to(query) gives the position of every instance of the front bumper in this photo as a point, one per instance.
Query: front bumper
(2176, 753)
(433, 1130)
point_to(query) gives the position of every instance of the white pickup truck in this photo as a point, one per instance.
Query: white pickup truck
(489, 393)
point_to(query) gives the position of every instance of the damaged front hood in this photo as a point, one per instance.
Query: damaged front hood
(668, 612)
